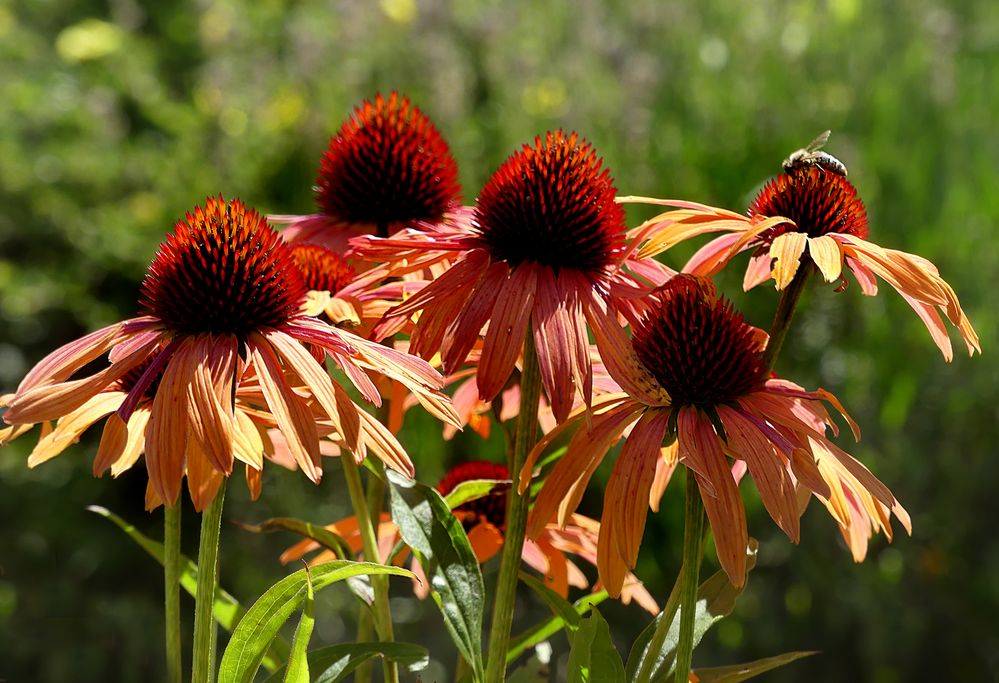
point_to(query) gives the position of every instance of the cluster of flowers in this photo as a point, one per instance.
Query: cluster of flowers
(228, 359)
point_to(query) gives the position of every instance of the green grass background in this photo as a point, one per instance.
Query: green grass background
(118, 116)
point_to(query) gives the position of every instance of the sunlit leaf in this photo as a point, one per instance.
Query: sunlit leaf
(336, 662)
(593, 657)
(561, 607)
(715, 600)
(471, 490)
(268, 614)
(226, 609)
(735, 673)
(438, 541)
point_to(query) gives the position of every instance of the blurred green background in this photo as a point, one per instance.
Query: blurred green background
(118, 116)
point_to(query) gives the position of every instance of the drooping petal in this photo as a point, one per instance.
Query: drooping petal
(211, 415)
(167, 433)
(68, 429)
(60, 365)
(554, 340)
(665, 466)
(136, 442)
(826, 254)
(464, 330)
(700, 447)
(203, 479)
(712, 257)
(505, 336)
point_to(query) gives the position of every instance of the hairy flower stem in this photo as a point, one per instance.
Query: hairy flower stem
(785, 311)
(375, 496)
(171, 589)
(203, 666)
(516, 516)
(369, 539)
(693, 534)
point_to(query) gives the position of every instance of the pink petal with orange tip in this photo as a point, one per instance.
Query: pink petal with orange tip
(167, 432)
(564, 487)
(700, 445)
(59, 365)
(758, 271)
(293, 417)
(68, 429)
(626, 499)
(767, 467)
(786, 250)
(464, 330)
(507, 329)
(712, 257)
(557, 575)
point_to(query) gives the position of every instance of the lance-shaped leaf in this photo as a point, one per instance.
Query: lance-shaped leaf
(268, 614)
(561, 607)
(226, 609)
(438, 541)
(715, 600)
(336, 662)
(546, 629)
(472, 489)
(593, 657)
(735, 673)
(297, 670)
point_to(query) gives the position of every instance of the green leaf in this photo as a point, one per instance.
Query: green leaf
(593, 657)
(743, 672)
(472, 489)
(298, 665)
(269, 613)
(319, 534)
(438, 541)
(547, 629)
(559, 605)
(715, 600)
(336, 662)
(226, 609)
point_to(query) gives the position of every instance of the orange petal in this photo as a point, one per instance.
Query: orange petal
(826, 254)
(486, 540)
(509, 324)
(68, 429)
(167, 436)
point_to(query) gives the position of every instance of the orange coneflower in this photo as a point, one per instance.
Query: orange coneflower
(544, 253)
(222, 326)
(697, 381)
(483, 519)
(387, 168)
(810, 217)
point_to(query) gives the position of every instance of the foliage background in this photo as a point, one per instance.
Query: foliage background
(117, 116)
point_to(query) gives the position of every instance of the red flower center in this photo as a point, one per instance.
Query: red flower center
(387, 164)
(323, 269)
(697, 347)
(223, 270)
(817, 201)
(489, 508)
(552, 204)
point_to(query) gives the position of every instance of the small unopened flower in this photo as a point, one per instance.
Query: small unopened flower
(387, 168)
(696, 382)
(483, 519)
(811, 218)
(544, 253)
(221, 350)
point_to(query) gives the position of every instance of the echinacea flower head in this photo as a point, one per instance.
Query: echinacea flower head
(811, 218)
(386, 168)
(543, 254)
(484, 521)
(699, 395)
(222, 352)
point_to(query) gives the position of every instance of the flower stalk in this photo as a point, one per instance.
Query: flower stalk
(785, 312)
(693, 534)
(369, 539)
(516, 516)
(203, 664)
(171, 589)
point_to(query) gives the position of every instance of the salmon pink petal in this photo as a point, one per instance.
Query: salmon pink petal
(167, 436)
(712, 257)
(555, 341)
(211, 415)
(699, 444)
(383, 444)
(60, 365)
(293, 417)
(203, 478)
(665, 466)
(68, 429)
(505, 336)
(136, 442)
(557, 576)
(465, 328)
(758, 271)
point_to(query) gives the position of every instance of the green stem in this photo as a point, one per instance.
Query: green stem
(369, 539)
(365, 618)
(658, 639)
(516, 516)
(203, 668)
(171, 589)
(365, 634)
(693, 534)
(785, 311)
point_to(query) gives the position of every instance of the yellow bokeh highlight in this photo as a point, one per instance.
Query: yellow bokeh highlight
(89, 39)
(548, 97)
(399, 11)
